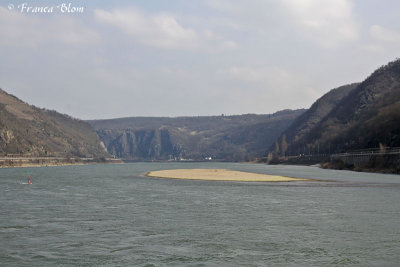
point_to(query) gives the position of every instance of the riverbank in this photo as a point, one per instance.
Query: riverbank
(379, 163)
(380, 167)
(52, 161)
(220, 175)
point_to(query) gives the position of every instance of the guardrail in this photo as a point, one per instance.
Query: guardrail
(363, 156)
(375, 151)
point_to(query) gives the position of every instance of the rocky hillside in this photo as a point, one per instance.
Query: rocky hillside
(28, 131)
(235, 138)
(367, 116)
(310, 119)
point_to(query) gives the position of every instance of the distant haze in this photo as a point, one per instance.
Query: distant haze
(113, 59)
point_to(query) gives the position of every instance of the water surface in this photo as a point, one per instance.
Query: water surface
(111, 215)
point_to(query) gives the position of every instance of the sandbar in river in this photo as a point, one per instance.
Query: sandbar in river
(220, 175)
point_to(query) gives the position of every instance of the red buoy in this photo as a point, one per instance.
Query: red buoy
(29, 180)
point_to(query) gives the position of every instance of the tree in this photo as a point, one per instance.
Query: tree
(269, 157)
(382, 148)
(276, 147)
(284, 145)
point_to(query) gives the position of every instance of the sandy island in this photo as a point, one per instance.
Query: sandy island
(220, 175)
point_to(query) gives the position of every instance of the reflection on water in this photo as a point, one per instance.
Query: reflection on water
(112, 215)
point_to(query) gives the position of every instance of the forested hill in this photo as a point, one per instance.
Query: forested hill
(28, 131)
(235, 138)
(367, 116)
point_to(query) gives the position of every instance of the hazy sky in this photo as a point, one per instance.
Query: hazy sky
(190, 57)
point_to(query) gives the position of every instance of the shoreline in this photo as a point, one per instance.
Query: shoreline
(220, 175)
(51, 162)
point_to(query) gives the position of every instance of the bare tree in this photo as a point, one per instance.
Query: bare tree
(284, 145)
(276, 147)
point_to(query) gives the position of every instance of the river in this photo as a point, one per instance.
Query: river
(112, 215)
